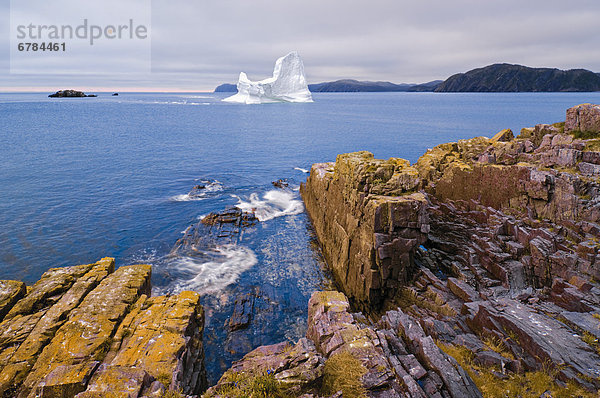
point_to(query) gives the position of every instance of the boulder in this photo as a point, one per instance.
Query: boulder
(585, 322)
(583, 118)
(125, 381)
(589, 169)
(242, 312)
(66, 380)
(463, 290)
(568, 297)
(298, 368)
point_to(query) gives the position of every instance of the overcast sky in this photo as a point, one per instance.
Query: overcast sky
(198, 44)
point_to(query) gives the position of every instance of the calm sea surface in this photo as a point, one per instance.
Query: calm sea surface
(81, 179)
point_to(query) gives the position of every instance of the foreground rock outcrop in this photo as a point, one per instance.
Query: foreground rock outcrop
(489, 245)
(344, 356)
(369, 221)
(91, 331)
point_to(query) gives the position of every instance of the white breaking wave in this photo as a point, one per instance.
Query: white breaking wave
(181, 102)
(196, 96)
(185, 198)
(301, 169)
(275, 203)
(222, 267)
(209, 187)
(212, 186)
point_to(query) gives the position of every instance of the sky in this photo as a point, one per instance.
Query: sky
(196, 45)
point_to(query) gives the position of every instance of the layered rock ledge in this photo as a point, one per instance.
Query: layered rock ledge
(93, 331)
(490, 245)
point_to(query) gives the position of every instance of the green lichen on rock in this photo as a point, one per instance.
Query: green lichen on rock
(87, 333)
(54, 304)
(10, 293)
(89, 330)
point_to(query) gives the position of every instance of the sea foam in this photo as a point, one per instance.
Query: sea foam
(211, 272)
(275, 203)
(210, 187)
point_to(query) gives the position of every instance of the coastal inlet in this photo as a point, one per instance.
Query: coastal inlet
(252, 266)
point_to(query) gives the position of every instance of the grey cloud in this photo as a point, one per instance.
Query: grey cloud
(199, 44)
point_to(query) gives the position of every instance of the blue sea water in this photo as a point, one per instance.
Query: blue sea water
(85, 178)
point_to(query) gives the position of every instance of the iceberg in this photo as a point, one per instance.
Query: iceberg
(288, 84)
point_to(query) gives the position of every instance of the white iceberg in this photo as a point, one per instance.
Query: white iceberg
(288, 84)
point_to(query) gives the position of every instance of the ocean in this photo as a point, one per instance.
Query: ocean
(86, 178)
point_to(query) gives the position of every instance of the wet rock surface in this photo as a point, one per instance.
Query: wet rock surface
(92, 330)
(584, 118)
(223, 227)
(280, 183)
(242, 312)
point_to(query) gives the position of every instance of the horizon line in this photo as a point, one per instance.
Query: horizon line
(100, 90)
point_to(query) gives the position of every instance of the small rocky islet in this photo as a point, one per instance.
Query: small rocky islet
(473, 272)
(70, 94)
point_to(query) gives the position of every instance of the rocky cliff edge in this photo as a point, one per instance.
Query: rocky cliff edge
(490, 244)
(475, 270)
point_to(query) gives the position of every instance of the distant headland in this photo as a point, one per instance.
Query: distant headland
(491, 78)
(517, 78)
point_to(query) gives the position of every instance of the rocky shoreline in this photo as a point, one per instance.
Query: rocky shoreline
(91, 331)
(473, 272)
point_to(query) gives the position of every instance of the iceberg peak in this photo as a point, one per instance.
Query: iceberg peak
(288, 84)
